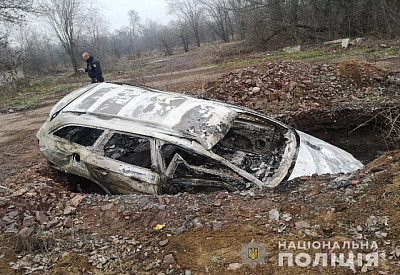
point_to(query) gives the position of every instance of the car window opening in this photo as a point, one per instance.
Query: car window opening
(84, 136)
(129, 149)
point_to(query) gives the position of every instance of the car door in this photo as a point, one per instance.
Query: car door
(124, 164)
(72, 148)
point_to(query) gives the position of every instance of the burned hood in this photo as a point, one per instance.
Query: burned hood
(316, 156)
(204, 121)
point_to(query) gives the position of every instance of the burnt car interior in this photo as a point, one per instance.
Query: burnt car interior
(255, 145)
(187, 168)
(129, 149)
(84, 136)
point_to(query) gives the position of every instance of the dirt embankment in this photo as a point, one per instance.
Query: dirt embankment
(202, 233)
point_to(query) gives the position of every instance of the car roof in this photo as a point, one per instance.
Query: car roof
(203, 120)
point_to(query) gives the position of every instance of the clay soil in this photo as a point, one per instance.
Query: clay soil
(203, 233)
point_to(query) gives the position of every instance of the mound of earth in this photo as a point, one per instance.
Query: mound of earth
(278, 87)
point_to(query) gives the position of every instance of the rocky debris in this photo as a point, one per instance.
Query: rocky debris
(395, 254)
(301, 225)
(287, 217)
(106, 207)
(217, 226)
(234, 266)
(345, 43)
(25, 232)
(274, 214)
(287, 87)
(41, 217)
(180, 230)
(315, 207)
(169, 259)
(69, 209)
(28, 221)
(76, 200)
(163, 243)
(293, 49)
(218, 203)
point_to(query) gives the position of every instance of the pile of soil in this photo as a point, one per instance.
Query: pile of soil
(279, 87)
(360, 72)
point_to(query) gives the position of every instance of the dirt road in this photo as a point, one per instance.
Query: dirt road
(18, 142)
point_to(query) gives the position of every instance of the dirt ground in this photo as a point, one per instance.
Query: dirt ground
(47, 226)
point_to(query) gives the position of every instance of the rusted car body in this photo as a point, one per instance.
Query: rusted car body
(132, 139)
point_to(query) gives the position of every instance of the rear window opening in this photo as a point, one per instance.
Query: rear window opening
(84, 136)
(255, 145)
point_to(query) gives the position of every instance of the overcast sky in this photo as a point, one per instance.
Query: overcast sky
(116, 11)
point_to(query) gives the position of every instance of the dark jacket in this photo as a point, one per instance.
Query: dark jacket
(94, 70)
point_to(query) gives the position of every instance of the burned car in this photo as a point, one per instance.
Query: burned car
(133, 139)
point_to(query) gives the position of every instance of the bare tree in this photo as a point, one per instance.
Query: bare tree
(165, 36)
(12, 12)
(190, 11)
(134, 21)
(240, 16)
(182, 33)
(7, 54)
(220, 17)
(65, 18)
(50, 50)
(93, 26)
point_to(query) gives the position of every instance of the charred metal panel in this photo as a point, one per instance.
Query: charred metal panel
(69, 98)
(159, 106)
(319, 157)
(91, 98)
(208, 124)
(184, 165)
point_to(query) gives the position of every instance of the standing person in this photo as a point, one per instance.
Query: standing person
(93, 68)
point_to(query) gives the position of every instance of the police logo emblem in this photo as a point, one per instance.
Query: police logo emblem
(253, 253)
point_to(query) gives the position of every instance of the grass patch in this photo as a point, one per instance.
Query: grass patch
(108, 75)
(248, 62)
(306, 54)
(321, 55)
(26, 93)
(372, 53)
(242, 63)
(139, 69)
(386, 53)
